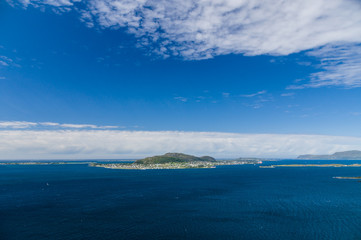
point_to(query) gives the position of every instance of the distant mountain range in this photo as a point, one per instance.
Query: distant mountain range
(347, 155)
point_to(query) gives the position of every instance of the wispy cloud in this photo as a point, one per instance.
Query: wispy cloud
(290, 94)
(254, 94)
(38, 3)
(86, 126)
(195, 29)
(182, 99)
(226, 95)
(340, 66)
(202, 29)
(5, 61)
(257, 100)
(17, 124)
(75, 144)
(24, 124)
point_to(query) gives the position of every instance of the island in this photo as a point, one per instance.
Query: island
(357, 178)
(311, 165)
(346, 155)
(174, 161)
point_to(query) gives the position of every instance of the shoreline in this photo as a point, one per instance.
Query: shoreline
(354, 178)
(137, 166)
(312, 165)
(183, 165)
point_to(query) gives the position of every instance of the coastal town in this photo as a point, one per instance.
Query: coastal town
(173, 165)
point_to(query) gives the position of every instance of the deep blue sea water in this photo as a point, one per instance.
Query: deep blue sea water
(228, 202)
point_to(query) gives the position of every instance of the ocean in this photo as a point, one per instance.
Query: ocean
(228, 202)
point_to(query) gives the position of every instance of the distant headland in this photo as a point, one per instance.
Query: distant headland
(175, 161)
(346, 155)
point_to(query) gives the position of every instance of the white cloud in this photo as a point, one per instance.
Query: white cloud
(24, 124)
(52, 124)
(341, 66)
(37, 3)
(85, 126)
(199, 29)
(17, 124)
(5, 61)
(202, 29)
(8, 62)
(254, 94)
(287, 94)
(58, 3)
(258, 99)
(86, 144)
(182, 99)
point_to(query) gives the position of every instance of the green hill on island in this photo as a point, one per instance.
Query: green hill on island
(347, 155)
(174, 158)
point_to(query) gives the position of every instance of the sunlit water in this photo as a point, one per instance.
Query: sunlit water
(229, 202)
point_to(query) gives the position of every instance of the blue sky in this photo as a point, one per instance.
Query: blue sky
(153, 66)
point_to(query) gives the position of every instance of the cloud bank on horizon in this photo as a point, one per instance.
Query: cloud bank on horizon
(329, 30)
(27, 143)
(27, 125)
